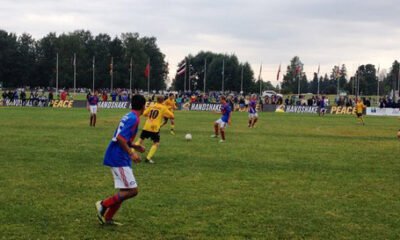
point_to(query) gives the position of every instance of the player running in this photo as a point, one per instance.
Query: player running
(119, 157)
(359, 110)
(225, 119)
(151, 129)
(93, 100)
(253, 115)
(171, 105)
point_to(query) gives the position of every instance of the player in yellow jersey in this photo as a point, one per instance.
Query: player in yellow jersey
(151, 129)
(171, 105)
(359, 110)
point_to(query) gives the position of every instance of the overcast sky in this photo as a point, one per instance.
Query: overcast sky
(326, 32)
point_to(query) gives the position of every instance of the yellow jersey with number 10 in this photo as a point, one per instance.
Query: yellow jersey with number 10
(155, 115)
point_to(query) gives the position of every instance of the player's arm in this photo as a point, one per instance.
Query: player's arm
(169, 114)
(146, 112)
(125, 146)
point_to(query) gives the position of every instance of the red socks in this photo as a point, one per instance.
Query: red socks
(109, 202)
(216, 130)
(223, 135)
(111, 211)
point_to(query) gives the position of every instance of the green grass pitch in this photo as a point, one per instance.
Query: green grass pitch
(292, 177)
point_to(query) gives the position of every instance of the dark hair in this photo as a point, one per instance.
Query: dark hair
(138, 102)
(171, 94)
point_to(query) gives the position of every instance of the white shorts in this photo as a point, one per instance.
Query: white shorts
(253, 115)
(221, 123)
(123, 177)
(93, 109)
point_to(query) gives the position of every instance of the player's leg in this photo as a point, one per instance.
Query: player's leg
(172, 126)
(164, 122)
(94, 119)
(222, 126)
(156, 143)
(216, 129)
(250, 120)
(255, 118)
(126, 183)
(91, 119)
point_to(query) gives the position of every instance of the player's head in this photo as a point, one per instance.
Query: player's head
(160, 99)
(223, 99)
(171, 96)
(96, 92)
(138, 103)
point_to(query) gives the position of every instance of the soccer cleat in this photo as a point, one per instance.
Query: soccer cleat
(149, 161)
(221, 141)
(113, 223)
(214, 136)
(100, 212)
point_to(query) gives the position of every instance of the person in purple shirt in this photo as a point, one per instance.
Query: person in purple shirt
(119, 156)
(93, 101)
(253, 115)
(220, 124)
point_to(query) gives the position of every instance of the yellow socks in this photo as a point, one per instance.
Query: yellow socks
(152, 151)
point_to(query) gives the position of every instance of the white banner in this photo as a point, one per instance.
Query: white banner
(374, 111)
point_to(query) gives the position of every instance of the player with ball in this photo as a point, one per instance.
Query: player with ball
(220, 124)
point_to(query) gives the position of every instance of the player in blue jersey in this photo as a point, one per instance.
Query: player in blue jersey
(119, 156)
(253, 115)
(220, 124)
(93, 100)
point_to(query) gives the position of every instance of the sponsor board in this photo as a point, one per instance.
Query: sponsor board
(301, 109)
(62, 104)
(26, 103)
(393, 112)
(205, 107)
(339, 110)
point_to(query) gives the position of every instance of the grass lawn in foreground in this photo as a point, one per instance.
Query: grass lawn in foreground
(292, 177)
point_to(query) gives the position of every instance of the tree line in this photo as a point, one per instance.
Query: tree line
(25, 61)
(363, 82)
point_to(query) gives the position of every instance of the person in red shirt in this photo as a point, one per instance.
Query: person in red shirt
(64, 95)
(104, 96)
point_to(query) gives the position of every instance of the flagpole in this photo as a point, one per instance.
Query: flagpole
(223, 74)
(130, 77)
(241, 82)
(205, 75)
(189, 77)
(57, 75)
(94, 60)
(112, 72)
(259, 79)
(318, 81)
(184, 83)
(377, 92)
(337, 78)
(74, 74)
(148, 77)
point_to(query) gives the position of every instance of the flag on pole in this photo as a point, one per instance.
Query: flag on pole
(279, 72)
(74, 61)
(111, 66)
(181, 69)
(147, 70)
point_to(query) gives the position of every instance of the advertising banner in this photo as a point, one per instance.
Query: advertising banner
(205, 107)
(392, 112)
(301, 109)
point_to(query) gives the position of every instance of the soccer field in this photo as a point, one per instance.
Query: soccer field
(292, 177)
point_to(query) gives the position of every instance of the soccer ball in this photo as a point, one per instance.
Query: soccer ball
(188, 137)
